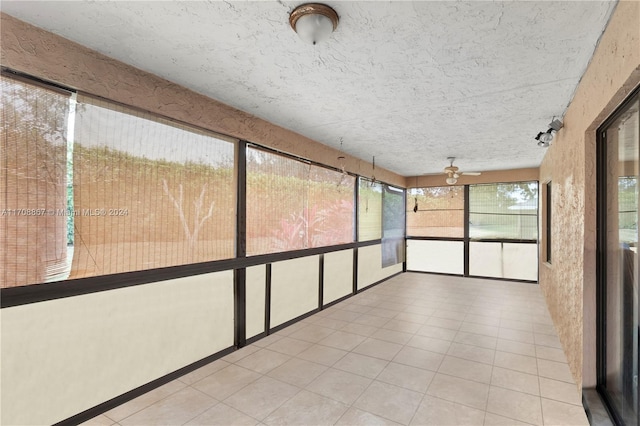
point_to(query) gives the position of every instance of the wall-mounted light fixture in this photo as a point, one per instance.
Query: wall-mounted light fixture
(313, 22)
(544, 138)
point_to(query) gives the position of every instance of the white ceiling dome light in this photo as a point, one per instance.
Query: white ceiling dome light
(313, 22)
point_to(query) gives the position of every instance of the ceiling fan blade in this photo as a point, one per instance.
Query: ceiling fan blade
(470, 173)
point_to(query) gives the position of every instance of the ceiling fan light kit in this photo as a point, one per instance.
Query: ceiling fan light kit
(453, 172)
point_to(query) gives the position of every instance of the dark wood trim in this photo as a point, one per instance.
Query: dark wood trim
(240, 307)
(547, 231)
(354, 289)
(240, 274)
(134, 393)
(320, 281)
(366, 243)
(356, 209)
(507, 214)
(601, 257)
(293, 321)
(296, 158)
(439, 210)
(538, 238)
(474, 277)
(445, 274)
(379, 282)
(513, 280)
(467, 245)
(29, 79)
(241, 200)
(502, 240)
(338, 300)
(404, 230)
(435, 239)
(256, 337)
(267, 298)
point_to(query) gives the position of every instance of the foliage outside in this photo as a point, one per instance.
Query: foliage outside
(292, 205)
(504, 211)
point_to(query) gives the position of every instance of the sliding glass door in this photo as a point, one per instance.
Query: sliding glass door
(618, 263)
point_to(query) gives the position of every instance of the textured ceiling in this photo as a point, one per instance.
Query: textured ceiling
(410, 83)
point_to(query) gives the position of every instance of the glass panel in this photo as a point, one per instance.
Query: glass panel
(504, 211)
(393, 224)
(277, 189)
(621, 310)
(294, 205)
(369, 210)
(332, 208)
(148, 192)
(33, 193)
(436, 212)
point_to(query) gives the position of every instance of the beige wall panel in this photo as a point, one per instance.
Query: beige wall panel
(64, 356)
(485, 260)
(294, 288)
(255, 288)
(435, 256)
(338, 275)
(570, 163)
(370, 268)
(520, 261)
(42, 54)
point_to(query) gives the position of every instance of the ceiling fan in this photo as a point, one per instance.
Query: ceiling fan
(453, 173)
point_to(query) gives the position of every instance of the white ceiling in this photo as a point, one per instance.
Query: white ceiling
(410, 83)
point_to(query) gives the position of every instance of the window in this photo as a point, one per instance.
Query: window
(295, 205)
(506, 211)
(436, 212)
(369, 210)
(148, 192)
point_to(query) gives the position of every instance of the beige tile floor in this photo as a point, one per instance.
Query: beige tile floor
(415, 350)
